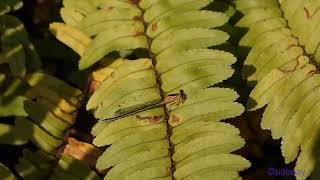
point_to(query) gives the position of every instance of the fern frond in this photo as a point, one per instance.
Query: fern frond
(44, 108)
(72, 37)
(5, 173)
(303, 18)
(17, 50)
(7, 6)
(14, 135)
(50, 103)
(39, 165)
(286, 73)
(19, 53)
(154, 134)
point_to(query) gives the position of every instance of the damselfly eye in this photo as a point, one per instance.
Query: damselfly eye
(183, 95)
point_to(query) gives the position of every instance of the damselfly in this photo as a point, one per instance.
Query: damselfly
(172, 99)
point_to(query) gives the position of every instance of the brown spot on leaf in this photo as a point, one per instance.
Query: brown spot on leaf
(94, 86)
(291, 46)
(150, 119)
(137, 34)
(136, 18)
(175, 119)
(154, 27)
(155, 119)
(109, 9)
(169, 172)
(135, 2)
(82, 151)
(285, 71)
(308, 13)
(311, 73)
